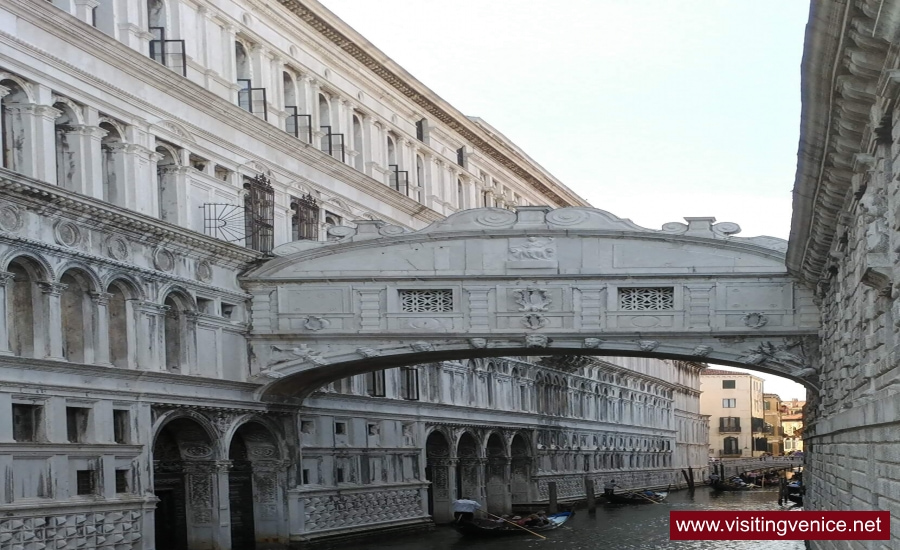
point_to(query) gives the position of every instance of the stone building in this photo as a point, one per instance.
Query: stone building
(844, 240)
(734, 403)
(154, 150)
(772, 415)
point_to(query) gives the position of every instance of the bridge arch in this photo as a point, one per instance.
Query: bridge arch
(535, 282)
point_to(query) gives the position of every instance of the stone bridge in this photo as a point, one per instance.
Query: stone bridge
(534, 282)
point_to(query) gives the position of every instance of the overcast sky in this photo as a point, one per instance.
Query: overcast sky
(653, 110)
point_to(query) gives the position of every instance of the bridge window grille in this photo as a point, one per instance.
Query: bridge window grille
(259, 214)
(646, 298)
(426, 301)
(304, 218)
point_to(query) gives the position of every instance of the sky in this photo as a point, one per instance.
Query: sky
(652, 110)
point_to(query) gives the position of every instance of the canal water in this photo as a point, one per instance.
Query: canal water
(611, 528)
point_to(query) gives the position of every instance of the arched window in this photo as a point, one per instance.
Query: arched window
(121, 325)
(77, 313)
(67, 163)
(391, 151)
(112, 149)
(324, 111)
(24, 311)
(156, 18)
(358, 146)
(291, 107)
(460, 196)
(13, 132)
(243, 74)
(166, 178)
(176, 337)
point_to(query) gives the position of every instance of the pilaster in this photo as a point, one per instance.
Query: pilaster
(5, 277)
(101, 335)
(53, 318)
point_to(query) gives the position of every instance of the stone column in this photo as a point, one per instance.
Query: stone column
(84, 10)
(121, 190)
(5, 277)
(190, 351)
(230, 69)
(222, 469)
(101, 333)
(202, 498)
(366, 148)
(53, 318)
(146, 192)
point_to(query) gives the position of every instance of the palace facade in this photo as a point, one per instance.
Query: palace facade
(155, 150)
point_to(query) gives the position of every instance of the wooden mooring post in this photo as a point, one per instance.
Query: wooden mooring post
(551, 489)
(691, 475)
(589, 493)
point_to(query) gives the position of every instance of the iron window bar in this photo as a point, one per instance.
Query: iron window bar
(399, 179)
(248, 95)
(293, 126)
(305, 218)
(168, 53)
(259, 214)
(328, 142)
(461, 156)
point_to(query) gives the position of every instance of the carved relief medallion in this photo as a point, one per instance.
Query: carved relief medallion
(533, 299)
(204, 271)
(536, 341)
(11, 219)
(755, 320)
(534, 321)
(648, 345)
(316, 323)
(163, 260)
(67, 234)
(117, 248)
(478, 343)
(534, 248)
(701, 351)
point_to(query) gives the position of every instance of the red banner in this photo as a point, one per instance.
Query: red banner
(779, 525)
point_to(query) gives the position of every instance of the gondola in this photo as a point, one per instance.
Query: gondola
(796, 499)
(636, 498)
(487, 528)
(728, 486)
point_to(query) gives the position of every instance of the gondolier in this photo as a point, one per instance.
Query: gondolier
(464, 510)
(610, 487)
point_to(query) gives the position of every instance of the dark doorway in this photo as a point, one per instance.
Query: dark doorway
(170, 517)
(240, 496)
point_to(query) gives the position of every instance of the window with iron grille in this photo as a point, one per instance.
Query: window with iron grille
(646, 298)
(259, 214)
(409, 383)
(304, 218)
(426, 301)
(85, 482)
(375, 384)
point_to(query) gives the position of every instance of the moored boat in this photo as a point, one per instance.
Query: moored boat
(729, 486)
(796, 499)
(487, 528)
(646, 497)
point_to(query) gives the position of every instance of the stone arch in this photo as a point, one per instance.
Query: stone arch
(255, 482)
(495, 474)
(469, 479)
(122, 292)
(185, 455)
(78, 313)
(130, 285)
(26, 324)
(437, 471)
(177, 331)
(37, 266)
(24, 85)
(242, 65)
(71, 110)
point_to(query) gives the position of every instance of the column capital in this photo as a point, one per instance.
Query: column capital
(150, 307)
(101, 298)
(52, 289)
(6, 276)
(4, 91)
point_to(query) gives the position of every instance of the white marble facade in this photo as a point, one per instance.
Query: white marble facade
(126, 402)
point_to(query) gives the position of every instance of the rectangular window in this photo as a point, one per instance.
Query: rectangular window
(375, 384)
(729, 403)
(422, 130)
(767, 406)
(304, 218)
(647, 298)
(76, 424)
(728, 384)
(426, 301)
(120, 427)
(340, 428)
(729, 424)
(305, 476)
(461, 156)
(409, 383)
(85, 482)
(339, 475)
(121, 481)
(26, 422)
(259, 214)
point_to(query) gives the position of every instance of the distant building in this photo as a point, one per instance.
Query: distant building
(734, 403)
(792, 426)
(772, 415)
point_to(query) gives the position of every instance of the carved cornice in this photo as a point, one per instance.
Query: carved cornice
(421, 96)
(846, 81)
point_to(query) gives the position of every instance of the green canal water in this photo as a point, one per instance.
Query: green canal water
(610, 528)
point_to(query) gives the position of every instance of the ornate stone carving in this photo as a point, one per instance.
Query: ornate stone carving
(534, 321)
(67, 234)
(11, 219)
(701, 351)
(391, 230)
(198, 451)
(592, 343)
(107, 530)
(536, 341)
(316, 323)
(495, 217)
(566, 216)
(421, 346)
(283, 355)
(782, 356)
(478, 343)
(533, 299)
(163, 260)
(368, 352)
(204, 271)
(534, 248)
(335, 511)
(222, 420)
(117, 248)
(648, 345)
(755, 320)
